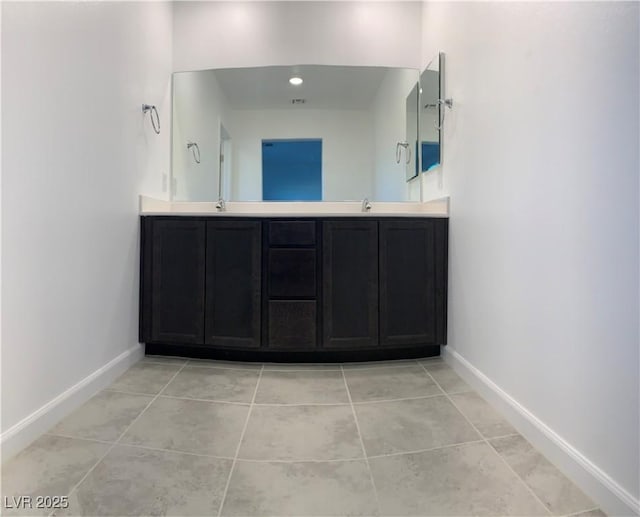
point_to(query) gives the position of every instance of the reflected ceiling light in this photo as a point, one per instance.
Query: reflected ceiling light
(296, 81)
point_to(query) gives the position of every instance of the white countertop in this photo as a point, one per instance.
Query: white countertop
(435, 208)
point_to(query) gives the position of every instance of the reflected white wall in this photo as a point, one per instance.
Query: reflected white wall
(347, 148)
(199, 107)
(390, 127)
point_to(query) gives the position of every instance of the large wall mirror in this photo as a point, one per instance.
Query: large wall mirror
(302, 132)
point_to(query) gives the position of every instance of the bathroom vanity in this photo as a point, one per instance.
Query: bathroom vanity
(303, 287)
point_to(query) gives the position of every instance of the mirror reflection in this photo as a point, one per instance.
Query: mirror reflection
(430, 115)
(303, 132)
(411, 144)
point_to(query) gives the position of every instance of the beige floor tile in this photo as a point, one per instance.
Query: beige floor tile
(463, 480)
(190, 426)
(553, 488)
(301, 433)
(300, 489)
(302, 387)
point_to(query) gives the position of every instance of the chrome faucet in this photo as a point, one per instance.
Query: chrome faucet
(221, 205)
(366, 206)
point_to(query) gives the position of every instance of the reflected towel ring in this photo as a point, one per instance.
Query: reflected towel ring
(195, 150)
(152, 109)
(399, 147)
(442, 102)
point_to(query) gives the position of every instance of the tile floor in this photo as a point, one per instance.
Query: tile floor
(190, 437)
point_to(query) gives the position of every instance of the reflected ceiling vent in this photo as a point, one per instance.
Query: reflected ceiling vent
(298, 101)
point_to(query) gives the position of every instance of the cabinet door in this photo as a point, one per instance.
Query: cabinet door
(407, 283)
(233, 284)
(177, 285)
(350, 284)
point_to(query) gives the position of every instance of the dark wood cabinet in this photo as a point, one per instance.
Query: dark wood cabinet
(349, 288)
(177, 281)
(408, 308)
(350, 284)
(233, 284)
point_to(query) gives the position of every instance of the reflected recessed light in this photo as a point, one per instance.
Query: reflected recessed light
(296, 81)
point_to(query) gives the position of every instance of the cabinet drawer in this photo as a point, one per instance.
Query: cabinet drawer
(292, 233)
(292, 273)
(292, 324)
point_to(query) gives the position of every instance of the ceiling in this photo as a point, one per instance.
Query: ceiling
(324, 87)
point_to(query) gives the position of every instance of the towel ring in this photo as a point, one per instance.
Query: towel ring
(195, 150)
(407, 148)
(154, 123)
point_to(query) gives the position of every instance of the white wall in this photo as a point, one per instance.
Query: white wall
(78, 153)
(242, 34)
(390, 126)
(199, 106)
(347, 148)
(541, 162)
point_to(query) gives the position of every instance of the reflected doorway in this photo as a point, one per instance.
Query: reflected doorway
(292, 170)
(224, 169)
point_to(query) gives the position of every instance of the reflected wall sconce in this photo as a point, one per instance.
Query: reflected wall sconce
(443, 103)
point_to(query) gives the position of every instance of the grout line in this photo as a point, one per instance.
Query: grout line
(419, 451)
(244, 430)
(510, 435)
(175, 451)
(130, 392)
(420, 397)
(120, 437)
(306, 460)
(486, 441)
(94, 440)
(215, 401)
(580, 512)
(250, 460)
(296, 404)
(364, 451)
(276, 404)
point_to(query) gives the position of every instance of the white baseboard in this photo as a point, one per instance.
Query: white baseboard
(606, 492)
(17, 437)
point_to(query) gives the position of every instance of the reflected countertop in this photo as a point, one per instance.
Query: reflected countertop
(434, 208)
